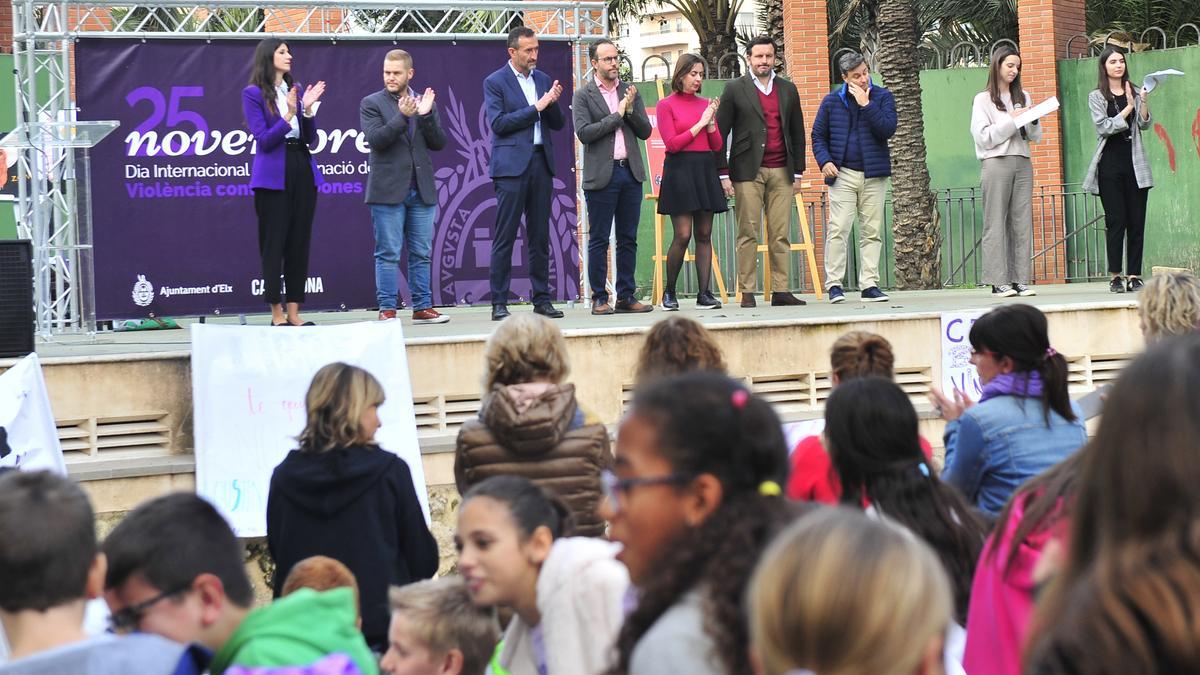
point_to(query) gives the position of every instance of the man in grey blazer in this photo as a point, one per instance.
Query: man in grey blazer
(761, 112)
(609, 119)
(401, 128)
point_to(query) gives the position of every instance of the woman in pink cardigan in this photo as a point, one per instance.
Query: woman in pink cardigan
(691, 192)
(1002, 593)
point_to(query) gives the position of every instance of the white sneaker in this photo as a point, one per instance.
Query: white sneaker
(1003, 291)
(1024, 291)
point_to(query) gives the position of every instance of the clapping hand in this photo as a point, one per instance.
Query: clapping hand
(626, 102)
(949, 409)
(312, 94)
(426, 102)
(292, 94)
(550, 97)
(710, 113)
(408, 106)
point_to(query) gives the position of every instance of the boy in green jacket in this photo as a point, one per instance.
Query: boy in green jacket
(175, 569)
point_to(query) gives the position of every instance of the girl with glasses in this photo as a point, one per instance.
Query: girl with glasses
(695, 498)
(1024, 422)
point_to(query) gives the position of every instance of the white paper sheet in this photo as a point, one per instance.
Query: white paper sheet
(1037, 112)
(1151, 81)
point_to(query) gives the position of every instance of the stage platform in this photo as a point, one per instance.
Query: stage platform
(123, 399)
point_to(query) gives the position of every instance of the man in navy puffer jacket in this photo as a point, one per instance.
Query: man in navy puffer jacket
(850, 141)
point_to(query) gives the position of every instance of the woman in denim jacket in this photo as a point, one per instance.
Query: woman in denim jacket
(1024, 422)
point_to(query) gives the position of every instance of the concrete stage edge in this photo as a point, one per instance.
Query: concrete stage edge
(123, 400)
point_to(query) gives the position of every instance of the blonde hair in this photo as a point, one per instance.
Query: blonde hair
(336, 400)
(525, 348)
(859, 354)
(441, 615)
(401, 56)
(675, 346)
(838, 593)
(320, 573)
(1169, 305)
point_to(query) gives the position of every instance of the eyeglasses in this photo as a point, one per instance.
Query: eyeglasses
(608, 59)
(127, 619)
(614, 487)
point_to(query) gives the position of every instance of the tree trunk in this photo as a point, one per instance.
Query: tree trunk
(715, 45)
(916, 227)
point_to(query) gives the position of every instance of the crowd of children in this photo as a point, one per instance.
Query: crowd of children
(701, 543)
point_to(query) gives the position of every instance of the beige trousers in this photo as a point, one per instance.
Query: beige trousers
(853, 194)
(771, 193)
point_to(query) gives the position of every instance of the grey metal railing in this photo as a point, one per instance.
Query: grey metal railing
(1077, 253)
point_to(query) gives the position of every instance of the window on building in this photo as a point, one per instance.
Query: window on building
(678, 25)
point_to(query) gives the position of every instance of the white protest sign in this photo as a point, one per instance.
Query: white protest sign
(957, 371)
(28, 435)
(248, 388)
(794, 432)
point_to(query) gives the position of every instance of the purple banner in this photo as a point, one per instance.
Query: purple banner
(174, 226)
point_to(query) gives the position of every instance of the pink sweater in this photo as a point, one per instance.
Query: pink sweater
(677, 114)
(1002, 603)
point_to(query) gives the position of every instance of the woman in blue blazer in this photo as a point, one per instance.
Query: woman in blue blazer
(284, 176)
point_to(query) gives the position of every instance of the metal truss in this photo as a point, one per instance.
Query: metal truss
(361, 19)
(53, 189)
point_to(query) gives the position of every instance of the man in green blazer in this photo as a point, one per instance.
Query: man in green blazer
(760, 115)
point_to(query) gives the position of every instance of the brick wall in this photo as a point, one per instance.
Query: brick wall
(6, 27)
(1045, 27)
(806, 54)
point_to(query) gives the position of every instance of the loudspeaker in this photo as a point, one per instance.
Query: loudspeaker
(16, 298)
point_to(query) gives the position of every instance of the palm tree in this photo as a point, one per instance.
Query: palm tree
(1135, 17)
(916, 227)
(715, 23)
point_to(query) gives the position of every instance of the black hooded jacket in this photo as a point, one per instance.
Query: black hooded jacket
(356, 505)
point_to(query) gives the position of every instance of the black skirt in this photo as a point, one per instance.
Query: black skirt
(690, 183)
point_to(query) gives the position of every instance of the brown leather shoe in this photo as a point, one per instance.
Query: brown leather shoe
(430, 315)
(785, 299)
(386, 314)
(602, 309)
(632, 306)
(748, 300)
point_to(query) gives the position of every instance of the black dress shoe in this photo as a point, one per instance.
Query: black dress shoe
(499, 312)
(669, 302)
(547, 310)
(785, 299)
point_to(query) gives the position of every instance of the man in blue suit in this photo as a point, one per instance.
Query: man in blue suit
(522, 108)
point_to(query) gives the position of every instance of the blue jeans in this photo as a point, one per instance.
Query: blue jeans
(620, 200)
(396, 225)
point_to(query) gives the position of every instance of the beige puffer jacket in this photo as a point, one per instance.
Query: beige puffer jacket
(536, 430)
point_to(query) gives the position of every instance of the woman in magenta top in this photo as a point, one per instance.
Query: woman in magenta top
(690, 192)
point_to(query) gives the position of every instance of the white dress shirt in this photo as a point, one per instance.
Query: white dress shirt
(765, 89)
(281, 92)
(530, 90)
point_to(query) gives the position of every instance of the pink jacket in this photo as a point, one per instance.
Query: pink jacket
(1002, 603)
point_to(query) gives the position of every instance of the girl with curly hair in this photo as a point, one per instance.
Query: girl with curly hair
(694, 500)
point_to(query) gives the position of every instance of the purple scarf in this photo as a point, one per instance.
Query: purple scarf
(1028, 384)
